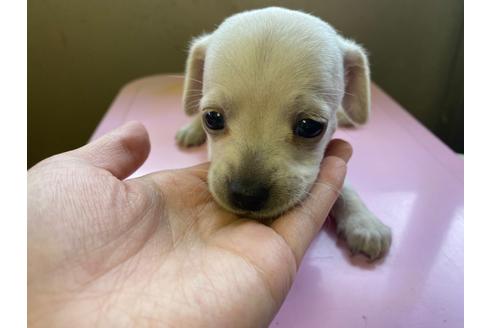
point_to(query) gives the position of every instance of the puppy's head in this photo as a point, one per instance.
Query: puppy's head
(269, 85)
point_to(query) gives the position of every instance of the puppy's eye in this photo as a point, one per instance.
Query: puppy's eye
(214, 120)
(308, 128)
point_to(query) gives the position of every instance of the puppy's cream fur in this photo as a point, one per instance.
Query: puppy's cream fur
(263, 70)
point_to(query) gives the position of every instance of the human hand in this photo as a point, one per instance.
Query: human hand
(157, 250)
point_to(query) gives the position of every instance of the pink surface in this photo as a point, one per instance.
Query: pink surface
(409, 178)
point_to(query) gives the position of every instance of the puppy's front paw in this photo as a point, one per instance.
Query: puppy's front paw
(365, 234)
(190, 135)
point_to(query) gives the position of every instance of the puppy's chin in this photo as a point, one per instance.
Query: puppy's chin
(270, 212)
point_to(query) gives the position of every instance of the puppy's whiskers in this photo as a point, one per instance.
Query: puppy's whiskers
(308, 211)
(198, 81)
(195, 102)
(182, 77)
(328, 185)
(334, 189)
(195, 90)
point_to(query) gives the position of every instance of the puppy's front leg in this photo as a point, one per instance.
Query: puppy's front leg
(191, 134)
(362, 230)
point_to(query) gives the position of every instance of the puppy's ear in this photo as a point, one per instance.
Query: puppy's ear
(357, 99)
(192, 91)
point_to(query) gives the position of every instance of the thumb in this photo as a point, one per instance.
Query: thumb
(120, 151)
(299, 226)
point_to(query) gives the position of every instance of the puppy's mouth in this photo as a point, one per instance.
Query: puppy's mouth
(254, 199)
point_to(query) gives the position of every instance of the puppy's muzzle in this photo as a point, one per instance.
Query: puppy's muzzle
(248, 195)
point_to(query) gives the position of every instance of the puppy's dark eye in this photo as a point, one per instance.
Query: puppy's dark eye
(214, 120)
(308, 128)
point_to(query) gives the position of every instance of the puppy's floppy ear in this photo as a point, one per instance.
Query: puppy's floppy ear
(192, 91)
(357, 99)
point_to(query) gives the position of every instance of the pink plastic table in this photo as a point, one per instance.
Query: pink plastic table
(410, 179)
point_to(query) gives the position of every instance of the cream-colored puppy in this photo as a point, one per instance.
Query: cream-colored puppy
(269, 86)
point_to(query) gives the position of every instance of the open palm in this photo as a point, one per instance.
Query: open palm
(157, 250)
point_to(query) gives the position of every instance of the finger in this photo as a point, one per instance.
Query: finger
(339, 148)
(121, 151)
(299, 226)
(200, 170)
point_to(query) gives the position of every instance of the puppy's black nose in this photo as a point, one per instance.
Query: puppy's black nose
(248, 195)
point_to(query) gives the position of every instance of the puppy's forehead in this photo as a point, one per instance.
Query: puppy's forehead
(254, 59)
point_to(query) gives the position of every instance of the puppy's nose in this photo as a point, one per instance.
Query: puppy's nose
(248, 195)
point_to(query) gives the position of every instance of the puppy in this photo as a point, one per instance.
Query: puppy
(270, 87)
